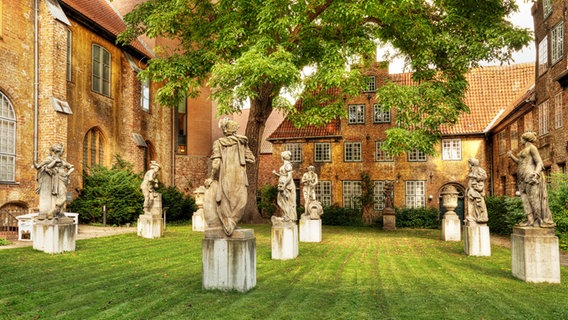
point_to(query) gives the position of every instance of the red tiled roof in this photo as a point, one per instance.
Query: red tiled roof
(104, 15)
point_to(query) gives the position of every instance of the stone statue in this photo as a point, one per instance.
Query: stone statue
(387, 192)
(309, 182)
(53, 178)
(286, 198)
(476, 209)
(226, 194)
(531, 182)
(149, 185)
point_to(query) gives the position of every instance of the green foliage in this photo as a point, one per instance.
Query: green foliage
(117, 188)
(504, 213)
(4, 242)
(338, 216)
(267, 200)
(558, 201)
(417, 218)
(180, 206)
(367, 199)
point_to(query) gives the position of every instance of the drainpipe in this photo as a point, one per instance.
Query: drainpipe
(174, 145)
(36, 79)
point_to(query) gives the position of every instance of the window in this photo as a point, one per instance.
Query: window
(93, 148)
(381, 115)
(352, 194)
(380, 155)
(543, 113)
(356, 114)
(378, 195)
(296, 149)
(514, 133)
(502, 142)
(322, 152)
(546, 8)
(145, 94)
(543, 56)
(323, 193)
(416, 155)
(371, 84)
(69, 46)
(558, 111)
(528, 122)
(562, 167)
(557, 42)
(101, 70)
(451, 149)
(181, 127)
(352, 151)
(7, 140)
(415, 194)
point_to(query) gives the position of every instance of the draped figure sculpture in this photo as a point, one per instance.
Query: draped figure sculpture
(226, 194)
(286, 198)
(309, 182)
(476, 208)
(149, 185)
(531, 182)
(53, 179)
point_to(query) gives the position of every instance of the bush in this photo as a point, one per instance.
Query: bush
(4, 242)
(337, 216)
(180, 207)
(558, 201)
(504, 213)
(267, 200)
(417, 218)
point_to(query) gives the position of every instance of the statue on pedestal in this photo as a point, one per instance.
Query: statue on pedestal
(476, 209)
(313, 208)
(286, 198)
(53, 179)
(531, 182)
(148, 187)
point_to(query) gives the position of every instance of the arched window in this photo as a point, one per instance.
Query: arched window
(93, 148)
(7, 140)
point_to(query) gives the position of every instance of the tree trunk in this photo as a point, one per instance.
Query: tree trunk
(260, 110)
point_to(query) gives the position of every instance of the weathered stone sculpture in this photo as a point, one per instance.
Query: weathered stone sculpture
(148, 187)
(389, 216)
(531, 182)
(286, 198)
(226, 194)
(309, 182)
(53, 178)
(476, 209)
(151, 223)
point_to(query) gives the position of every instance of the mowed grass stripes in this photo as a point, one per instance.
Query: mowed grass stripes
(354, 273)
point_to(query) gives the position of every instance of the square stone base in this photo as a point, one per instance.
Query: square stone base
(229, 263)
(476, 240)
(150, 226)
(310, 230)
(389, 219)
(197, 221)
(451, 228)
(284, 241)
(53, 237)
(535, 254)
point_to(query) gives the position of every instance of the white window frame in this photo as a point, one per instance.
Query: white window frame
(69, 55)
(101, 70)
(417, 156)
(322, 152)
(557, 42)
(356, 114)
(8, 122)
(543, 55)
(543, 118)
(352, 151)
(380, 114)
(502, 142)
(415, 193)
(352, 192)
(451, 149)
(558, 111)
(296, 150)
(546, 8)
(380, 155)
(323, 193)
(145, 95)
(378, 195)
(371, 84)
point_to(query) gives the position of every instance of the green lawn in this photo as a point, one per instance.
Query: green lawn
(355, 273)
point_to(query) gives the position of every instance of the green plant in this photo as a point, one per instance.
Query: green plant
(4, 242)
(504, 213)
(417, 218)
(367, 199)
(338, 216)
(267, 200)
(180, 207)
(558, 201)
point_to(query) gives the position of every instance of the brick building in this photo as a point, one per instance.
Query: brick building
(345, 148)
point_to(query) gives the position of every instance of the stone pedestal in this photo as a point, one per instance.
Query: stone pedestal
(535, 254)
(284, 241)
(229, 263)
(389, 219)
(197, 221)
(54, 236)
(477, 241)
(150, 226)
(310, 230)
(451, 227)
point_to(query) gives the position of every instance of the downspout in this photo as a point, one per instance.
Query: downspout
(173, 131)
(36, 79)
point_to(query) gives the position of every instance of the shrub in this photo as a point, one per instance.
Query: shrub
(4, 242)
(180, 206)
(267, 200)
(504, 213)
(417, 218)
(558, 201)
(337, 216)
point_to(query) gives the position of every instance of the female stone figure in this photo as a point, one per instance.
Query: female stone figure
(228, 182)
(531, 182)
(53, 178)
(286, 189)
(309, 182)
(149, 185)
(476, 208)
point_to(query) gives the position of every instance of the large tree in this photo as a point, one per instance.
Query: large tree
(257, 50)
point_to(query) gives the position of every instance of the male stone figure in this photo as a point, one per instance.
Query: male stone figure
(149, 185)
(309, 182)
(476, 208)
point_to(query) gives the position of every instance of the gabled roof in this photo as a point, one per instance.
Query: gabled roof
(105, 17)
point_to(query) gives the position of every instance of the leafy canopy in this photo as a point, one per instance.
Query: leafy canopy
(260, 49)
